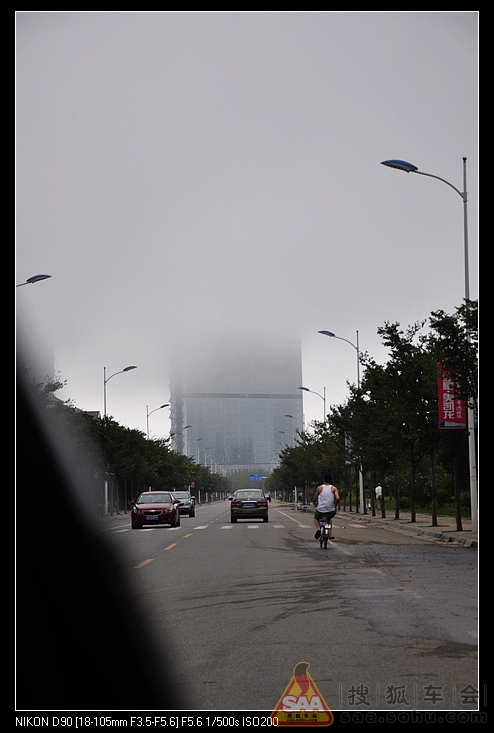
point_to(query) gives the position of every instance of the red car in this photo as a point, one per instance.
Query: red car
(155, 507)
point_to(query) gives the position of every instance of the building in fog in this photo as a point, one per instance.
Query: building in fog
(234, 395)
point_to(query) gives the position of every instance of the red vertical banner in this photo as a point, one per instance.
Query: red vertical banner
(452, 412)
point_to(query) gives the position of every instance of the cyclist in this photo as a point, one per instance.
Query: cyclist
(326, 500)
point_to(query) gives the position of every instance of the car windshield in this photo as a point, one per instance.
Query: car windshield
(158, 498)
(243, 495)
(181, 494)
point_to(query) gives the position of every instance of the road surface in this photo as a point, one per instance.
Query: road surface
(387, 621)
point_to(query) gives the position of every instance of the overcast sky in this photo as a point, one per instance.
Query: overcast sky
(187, 173)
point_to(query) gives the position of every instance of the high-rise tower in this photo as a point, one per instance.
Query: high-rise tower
(236, 394)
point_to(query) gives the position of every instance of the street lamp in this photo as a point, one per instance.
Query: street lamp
(197, 441)
(297, 420)
(333, 335)
(410, 168)
(208, 447)
(306, 389)
(105, 380)
(33, 279)
(179, 448)
(150, 413)
(356, 347)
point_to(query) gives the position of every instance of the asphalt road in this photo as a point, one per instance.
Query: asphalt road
(387, 621)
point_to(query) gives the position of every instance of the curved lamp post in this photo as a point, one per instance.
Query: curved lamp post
(411, 168)
(33, 279)
(200, 450)
(105, 380)
(333, 335)
(306, 389)
(175, 442)
(286, 443)
(296, 419)
(150, 413)
(356, 347)
(196, 441)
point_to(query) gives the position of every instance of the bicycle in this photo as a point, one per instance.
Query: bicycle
(325, 527)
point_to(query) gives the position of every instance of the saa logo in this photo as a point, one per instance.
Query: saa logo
(301, 703)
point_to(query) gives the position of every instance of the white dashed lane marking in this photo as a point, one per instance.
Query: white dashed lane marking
(204, 526)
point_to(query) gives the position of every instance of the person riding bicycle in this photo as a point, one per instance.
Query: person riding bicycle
(326, 500)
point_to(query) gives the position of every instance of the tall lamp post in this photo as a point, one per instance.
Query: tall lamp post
(356, 347)
(150, 413)
(410, 168)
(105, 380)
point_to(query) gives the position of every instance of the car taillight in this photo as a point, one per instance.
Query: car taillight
(236, 503)
(262, 502)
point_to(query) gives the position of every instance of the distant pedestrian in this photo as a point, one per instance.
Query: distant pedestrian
(378, 491)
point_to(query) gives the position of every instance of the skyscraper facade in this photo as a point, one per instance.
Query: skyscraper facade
(236, 403)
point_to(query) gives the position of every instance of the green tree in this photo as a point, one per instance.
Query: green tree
(454, 340)
(413, 371)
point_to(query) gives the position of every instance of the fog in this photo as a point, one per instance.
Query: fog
(190, 175)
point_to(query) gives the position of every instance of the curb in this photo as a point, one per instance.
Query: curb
(444, 534)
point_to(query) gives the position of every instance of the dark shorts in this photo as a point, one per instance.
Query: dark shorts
(326, 515)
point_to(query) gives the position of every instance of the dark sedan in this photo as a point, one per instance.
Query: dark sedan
(187, 505)
(153, 508)
(249, 504)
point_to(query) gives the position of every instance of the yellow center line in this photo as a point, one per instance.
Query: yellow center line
(146, 562)
(170, 546)
(187, 535)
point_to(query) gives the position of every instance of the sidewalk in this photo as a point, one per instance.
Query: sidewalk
(445, 531)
